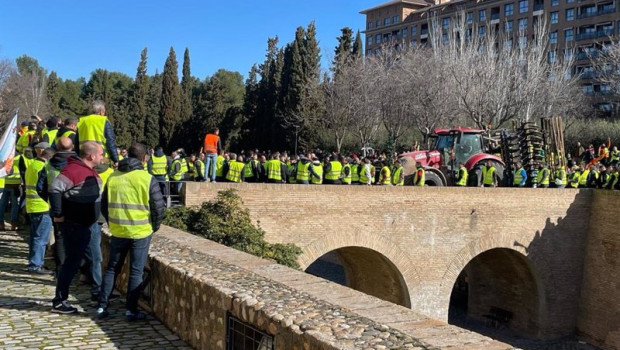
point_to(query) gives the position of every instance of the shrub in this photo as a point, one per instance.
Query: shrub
(225, 220)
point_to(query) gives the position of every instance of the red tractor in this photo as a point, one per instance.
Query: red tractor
(452, 146)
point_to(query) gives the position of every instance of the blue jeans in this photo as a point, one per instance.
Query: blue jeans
(138, 250)
(76, 238)
(94, 257)
(40, 227)
(210, 165)
(10, 194)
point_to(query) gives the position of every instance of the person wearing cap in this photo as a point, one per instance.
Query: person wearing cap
(38, 209)
(97, 128)
(51, 131)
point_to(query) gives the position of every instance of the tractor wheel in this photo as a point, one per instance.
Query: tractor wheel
(475, 175)
(431, 179)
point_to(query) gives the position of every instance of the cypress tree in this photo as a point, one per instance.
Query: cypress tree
(186, 89)
(53, 93)
(151, 127)
(357, 50)
(250, 105)
(170, 100)
(342, 53)
(140, 94)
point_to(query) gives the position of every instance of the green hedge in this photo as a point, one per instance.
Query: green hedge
(225, 220)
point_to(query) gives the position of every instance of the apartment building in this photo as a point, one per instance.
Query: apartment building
(576, 27)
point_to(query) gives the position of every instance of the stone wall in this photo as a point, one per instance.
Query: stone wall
(429, 235)
(197, 283)
(599, 318)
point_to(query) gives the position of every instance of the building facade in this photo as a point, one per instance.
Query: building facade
(583, 28)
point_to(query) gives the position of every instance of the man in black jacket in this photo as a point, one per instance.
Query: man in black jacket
(133, 216)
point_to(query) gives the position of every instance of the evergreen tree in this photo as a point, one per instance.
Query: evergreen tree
(53, 93)
(311, 54)
(151, 127)
(250, 104)
(170, 101)
(186, 89)
(357, 49)
(140, 94)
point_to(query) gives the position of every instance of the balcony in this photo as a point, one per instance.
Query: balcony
(587, 75)
(495, 18)
(593, 35)
(538, 9)
(587, 55)
(601, 11)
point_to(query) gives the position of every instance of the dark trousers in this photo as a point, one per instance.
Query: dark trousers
(76, 239)
(331, 182)
(94, 258)
(138, 250)
(59, 248)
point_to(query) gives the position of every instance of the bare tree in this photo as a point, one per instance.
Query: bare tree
(606, 64)
(26, 90)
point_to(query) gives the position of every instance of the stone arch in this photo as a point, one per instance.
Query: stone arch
(541, 275)
(372, 264)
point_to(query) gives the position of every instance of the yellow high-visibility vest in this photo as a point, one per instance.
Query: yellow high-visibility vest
(90, 128)
(273, 170)
(34, 203)
(318, 169)
(347, 178)
(462, 177)
(303, 172)
(160, 165)
(334, 171)
(396, 180)
(234, 171)
(182, 169)
(129, 213)
(15, 178)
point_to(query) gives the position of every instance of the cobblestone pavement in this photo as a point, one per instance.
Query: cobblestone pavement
(27, 323)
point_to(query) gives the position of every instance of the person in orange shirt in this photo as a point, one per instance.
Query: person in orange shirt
(212, 144)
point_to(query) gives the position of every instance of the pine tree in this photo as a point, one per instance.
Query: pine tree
(170, 100)
(53, 93)
(140, 94)
(151, 127)
(342, 52)
(250, 105)
(186, 89)
(357, 50)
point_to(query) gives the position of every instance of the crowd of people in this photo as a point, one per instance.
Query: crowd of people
(69, 178)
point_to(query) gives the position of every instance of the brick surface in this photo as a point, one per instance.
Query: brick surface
(27, 323)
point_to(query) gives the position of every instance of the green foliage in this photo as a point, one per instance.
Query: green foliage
(225, 220)
(140, 94)
(151, 123)
(595, 131)
(170, 100)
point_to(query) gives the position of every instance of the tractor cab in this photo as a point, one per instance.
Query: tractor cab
(457, 145)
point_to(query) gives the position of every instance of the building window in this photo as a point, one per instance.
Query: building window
(552, 56)
(482, 15)
(445, 23)
(481, 30)
(523, 6)
(522, 42)
(378, 39)
(414, 30)
(386, 21)
(568, 35)
(553, 37)
(369, 40)
(588, 89)
(509, 9)
(508, 26)
(414, 43)
(395, 19)
(555, 2)
(570, 1)
(404, 31)
(508, 45)
(369, 25)
(444, 38)
(368, 52)
(523, 23)
(570, 15)
(241, 335)
(470, 18)
(568, 53)
(553, 17)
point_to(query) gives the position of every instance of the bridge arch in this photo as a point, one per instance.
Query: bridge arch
(370, 264)
(501, 274)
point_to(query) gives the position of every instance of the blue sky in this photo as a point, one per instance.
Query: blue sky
(76, 37)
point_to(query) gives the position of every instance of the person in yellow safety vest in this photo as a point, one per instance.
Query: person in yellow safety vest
(273, 168)
(221, 163)
(398, 177)
(613, 181)
(38, 209)
(543, 176)
(50, 133)
(489, 175)
(28, 138)
(419, 178)
(614, 156)
(11, 193)
(346, 175)
(318, 171)
(603, 177)
(366, 173)
(191, 168)
(373, 172)
(385, 175)
(292, 170)
(560, 177)
(68, 130)
(159, 166)
(134, 207)
(178, 169)
(593, 176)
(573, 179)
(199, 165)
(603, 153)
(461, 176)
(333, 171)
(584, 174)
(96, 127)
(519, 175)
(355, 170)
(235, 171)
(251, 168)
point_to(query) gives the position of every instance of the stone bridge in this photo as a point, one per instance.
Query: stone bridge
(535, 253)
